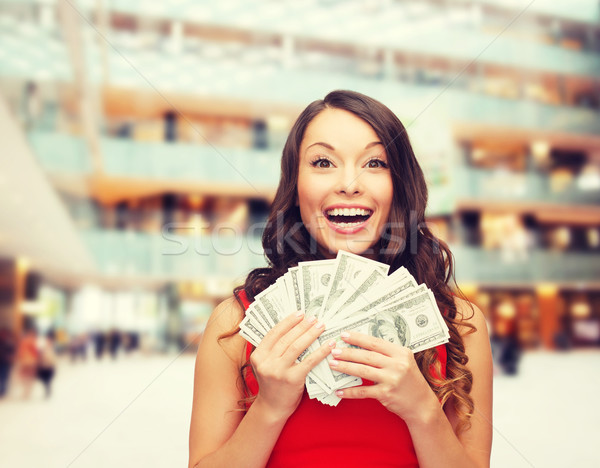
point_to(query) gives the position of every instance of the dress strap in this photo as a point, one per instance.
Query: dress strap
(241, 294)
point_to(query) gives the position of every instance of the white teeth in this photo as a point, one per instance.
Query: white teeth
(349, 212)
(345, 225)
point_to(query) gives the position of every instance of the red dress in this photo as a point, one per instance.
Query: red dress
(355, 433)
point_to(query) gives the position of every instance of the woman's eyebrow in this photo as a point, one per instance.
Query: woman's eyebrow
(329, 147)
(326, 145)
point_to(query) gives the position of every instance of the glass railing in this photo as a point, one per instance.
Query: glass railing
(220, 74)
(170, 256)
(474, 264)
(392, 27)
(130, 158)
(502, 185)
(122, 157)
(201, 257)
(232, 168)
(61, 152)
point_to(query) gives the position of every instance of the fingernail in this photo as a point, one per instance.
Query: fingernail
(299, 313)
(339, 393)
(336, 352)
(331, 343)
(345, 335)
(312, 319)
(319, 325)
(333, 363)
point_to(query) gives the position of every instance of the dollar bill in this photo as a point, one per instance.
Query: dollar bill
(382, 295)
(414, 323)
(352, 297)
(316, 276)
(350, 293)
(349, 271)
(293, 286)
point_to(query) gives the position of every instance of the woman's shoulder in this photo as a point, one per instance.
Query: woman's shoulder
(470, 317)
(222, 327)
(227, 314)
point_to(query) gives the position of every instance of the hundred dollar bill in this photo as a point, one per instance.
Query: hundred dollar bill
(415, 323)
(292, 283)
(405, 295)
(258, 318)
(349, 271)
(353, 297)
(382, 296)
(420, 317)
(286, 303)
(272, 303)
(316, 276)
(249, 331)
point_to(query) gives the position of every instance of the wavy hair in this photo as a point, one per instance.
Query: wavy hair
(406, 241)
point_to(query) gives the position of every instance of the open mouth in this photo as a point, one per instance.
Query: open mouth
(348, 217)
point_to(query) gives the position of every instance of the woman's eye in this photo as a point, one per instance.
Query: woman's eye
(376, 163)
(322, 163)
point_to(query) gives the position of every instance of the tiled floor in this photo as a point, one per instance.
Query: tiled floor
(135, 412)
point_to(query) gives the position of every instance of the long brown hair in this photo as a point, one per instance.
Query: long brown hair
(407, 241)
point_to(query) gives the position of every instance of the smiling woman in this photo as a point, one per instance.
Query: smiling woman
(349, 181)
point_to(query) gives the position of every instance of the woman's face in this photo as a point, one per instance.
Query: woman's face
(344, 184)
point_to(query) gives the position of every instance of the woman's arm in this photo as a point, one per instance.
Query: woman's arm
(220, 434)
(433, 432)
(402, 389)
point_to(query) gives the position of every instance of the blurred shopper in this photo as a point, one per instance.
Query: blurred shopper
(510, 355)
(8, 347)
(99, 343)
(114, 343)
(46, 361)
(78, 347)
(27, 360)
(32, 105)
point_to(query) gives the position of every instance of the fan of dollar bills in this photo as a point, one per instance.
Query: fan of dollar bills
(348, 293)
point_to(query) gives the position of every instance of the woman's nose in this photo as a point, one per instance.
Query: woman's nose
(349, 182)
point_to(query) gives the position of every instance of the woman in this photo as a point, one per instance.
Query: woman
(431, 409)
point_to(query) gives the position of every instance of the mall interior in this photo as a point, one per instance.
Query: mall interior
(142, 145)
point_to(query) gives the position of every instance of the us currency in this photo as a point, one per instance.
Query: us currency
(286, 302)
(353, 296)
(249, 331)
(349, 271)
(259, 318)
(382, 295)
(294, 286)
(352, 292)
(366, 293)
(415, 323)
(316, 276)
(272, 302)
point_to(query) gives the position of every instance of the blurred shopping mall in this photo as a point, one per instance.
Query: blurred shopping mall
(142, 144)
(141, 151)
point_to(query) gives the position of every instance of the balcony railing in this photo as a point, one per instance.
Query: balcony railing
(232, 168)
(122, 253)
(530, 186)
(202, 257)
(141, 160)
(474, 264)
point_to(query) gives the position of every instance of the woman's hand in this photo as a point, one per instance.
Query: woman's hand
(398, 382)
(280, 378)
